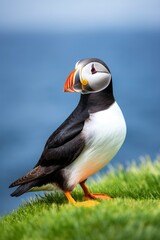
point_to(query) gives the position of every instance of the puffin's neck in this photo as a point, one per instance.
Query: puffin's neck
(98, 101)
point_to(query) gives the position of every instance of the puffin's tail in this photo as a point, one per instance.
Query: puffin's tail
(23, 188)
(33, 178)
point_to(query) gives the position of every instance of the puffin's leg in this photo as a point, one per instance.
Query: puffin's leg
(89, 195)
(88, 203)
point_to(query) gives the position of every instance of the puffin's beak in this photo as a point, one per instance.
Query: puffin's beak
(73, 83)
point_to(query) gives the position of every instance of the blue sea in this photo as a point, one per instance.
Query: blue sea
(33, 69)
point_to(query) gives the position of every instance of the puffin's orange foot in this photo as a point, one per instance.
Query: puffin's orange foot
(97, 196)
(89, 195)
(89, 203)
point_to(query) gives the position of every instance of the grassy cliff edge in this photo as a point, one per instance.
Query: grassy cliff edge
(133, 213)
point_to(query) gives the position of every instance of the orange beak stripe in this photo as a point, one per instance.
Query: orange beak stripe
(68, 86)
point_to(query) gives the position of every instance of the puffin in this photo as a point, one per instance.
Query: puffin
(85, 142)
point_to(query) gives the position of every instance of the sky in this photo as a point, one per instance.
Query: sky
(83, 14)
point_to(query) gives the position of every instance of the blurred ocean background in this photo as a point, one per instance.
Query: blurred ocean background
(33, 68)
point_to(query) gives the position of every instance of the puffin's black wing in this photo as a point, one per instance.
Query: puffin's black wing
(61, 149)
(66, 143)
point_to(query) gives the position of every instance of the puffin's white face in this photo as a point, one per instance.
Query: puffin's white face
(90, 75)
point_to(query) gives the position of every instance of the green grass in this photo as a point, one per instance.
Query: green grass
(134, 212)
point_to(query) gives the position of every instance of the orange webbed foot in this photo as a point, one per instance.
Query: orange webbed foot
(89, 195)
(89, 203)
(97, 196)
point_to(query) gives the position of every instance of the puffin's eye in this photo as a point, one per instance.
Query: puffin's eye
(93, 70)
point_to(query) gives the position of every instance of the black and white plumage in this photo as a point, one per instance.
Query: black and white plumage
(87, 140)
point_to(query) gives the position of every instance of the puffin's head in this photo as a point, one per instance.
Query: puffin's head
(90, 75)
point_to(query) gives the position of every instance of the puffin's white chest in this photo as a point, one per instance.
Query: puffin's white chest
(104, 134)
